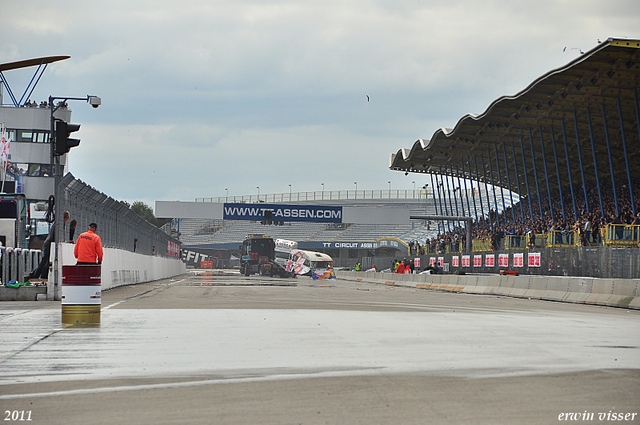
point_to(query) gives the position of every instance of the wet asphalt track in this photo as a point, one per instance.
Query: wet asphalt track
(221, 348)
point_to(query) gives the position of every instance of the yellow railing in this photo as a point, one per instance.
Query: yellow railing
(623, 235)
(558, 238)
(481, 245)
(516, 241)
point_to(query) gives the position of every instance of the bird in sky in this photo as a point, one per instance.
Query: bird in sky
(367, 97)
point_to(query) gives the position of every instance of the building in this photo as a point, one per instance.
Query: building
(28, 176)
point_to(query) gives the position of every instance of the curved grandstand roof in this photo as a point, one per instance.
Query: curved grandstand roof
(567, 104)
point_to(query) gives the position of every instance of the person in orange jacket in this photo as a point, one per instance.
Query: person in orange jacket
(88, 248)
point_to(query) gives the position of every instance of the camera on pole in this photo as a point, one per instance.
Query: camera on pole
(62, 142)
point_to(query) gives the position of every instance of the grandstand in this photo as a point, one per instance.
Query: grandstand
(552, 172)
(228, 234)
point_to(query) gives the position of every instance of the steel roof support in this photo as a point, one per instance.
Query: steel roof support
(459, 188)
(546, 173)
(555, 159)
(515, 165)
(475, 160)
(526, 178)
(566, 154)
(606, 136)
(435, 202)
(493, 188)
(26, 96)
(495, 147)
(486, 189)
(535, 174)
(6, 84)
(506, 168)
(446, 195)
(595, 164)
(584, 184)
(626, 157)
(473, 195)
(449, 192)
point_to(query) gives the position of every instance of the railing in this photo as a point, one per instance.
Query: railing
(515, 241)
(557, 238)
(481, 245)
(454, 247)
(614, 235)
(324, 195)
(621, 235)
(16, 263)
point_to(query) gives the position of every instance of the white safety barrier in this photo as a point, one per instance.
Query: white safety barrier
(120, 267)
(583, 290)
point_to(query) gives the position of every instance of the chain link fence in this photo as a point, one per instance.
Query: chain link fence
(588, 261)
(118, 226)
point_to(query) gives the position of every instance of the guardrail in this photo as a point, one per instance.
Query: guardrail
(607, 292)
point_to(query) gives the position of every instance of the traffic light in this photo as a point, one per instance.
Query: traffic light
(62, 141)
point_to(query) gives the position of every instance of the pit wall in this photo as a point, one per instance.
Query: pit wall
(581, 290)
(120, 267)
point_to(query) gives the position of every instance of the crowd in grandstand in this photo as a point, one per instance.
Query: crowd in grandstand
(526, 218)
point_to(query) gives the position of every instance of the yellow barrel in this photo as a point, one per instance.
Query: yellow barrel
(81, 295)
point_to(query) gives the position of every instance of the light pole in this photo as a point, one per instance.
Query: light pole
(258, 187)
(94, 101)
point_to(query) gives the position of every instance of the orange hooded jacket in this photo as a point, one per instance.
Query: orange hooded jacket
(88, 248)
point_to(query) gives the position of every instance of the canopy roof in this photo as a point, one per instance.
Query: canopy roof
(31, 62)
(566, 104)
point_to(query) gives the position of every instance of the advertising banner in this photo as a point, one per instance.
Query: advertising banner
(455, 261)
(466, 261)
(534, 259)
(518, 259)
(503, 260)
(283, 212)
(490, 260)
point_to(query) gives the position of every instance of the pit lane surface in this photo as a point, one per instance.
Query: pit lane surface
(223, 348)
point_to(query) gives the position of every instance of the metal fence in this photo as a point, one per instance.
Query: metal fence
(584, 261)
(118, 226)
(15, 263)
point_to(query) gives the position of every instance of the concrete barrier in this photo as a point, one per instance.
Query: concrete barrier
(120, 267)
(608, 292)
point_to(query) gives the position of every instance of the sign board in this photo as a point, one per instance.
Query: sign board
(534, 259)
(283, 212)
(518, 259)
(490, 260)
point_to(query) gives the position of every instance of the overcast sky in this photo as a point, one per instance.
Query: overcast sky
(199, 96)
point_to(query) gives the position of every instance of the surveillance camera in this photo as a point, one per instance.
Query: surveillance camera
(95, 101)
